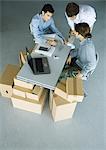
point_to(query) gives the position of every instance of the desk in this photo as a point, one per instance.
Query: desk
(56, 65)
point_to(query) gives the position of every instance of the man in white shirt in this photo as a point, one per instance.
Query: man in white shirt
(79, 14)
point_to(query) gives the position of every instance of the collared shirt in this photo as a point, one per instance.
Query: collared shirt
(39, 27)
(86, 56)
(86, 14)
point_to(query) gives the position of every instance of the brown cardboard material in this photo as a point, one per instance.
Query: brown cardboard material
(6, 79)
(74, 88)
(23, 84)
(62, 109)
(20, 91)
(35, 93)
(51, 100)
(29, 104)
(60, 89)
(22, 58)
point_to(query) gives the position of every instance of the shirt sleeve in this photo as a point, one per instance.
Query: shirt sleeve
(88, 15)
(74, 53)
(86, 68)
(55, 30)
(34, 27)
(70, 22)
(89, 21)
(90, 62)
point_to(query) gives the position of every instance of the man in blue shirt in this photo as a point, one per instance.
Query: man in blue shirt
(42, 24)
(85, 55)
(83, 60)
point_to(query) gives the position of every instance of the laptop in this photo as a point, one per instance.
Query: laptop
(39, 65)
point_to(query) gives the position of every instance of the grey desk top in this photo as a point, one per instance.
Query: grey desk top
(56, 65)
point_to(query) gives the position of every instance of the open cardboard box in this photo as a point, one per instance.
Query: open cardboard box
(29, 104)
(23, 84)
(6, 79)
(74, 89)
(62, 109)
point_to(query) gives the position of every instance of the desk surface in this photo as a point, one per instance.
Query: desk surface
(56, 65)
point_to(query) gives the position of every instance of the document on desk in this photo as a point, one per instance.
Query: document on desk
(53, 36)
(44, 49)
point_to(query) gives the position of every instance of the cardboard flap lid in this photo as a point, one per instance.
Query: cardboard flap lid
(79, 87)
(74, 86)
(9, 73)
(70, 86)
(42, 98)
(21, 89)
(61, 86)
(59, 100)
(37, 90)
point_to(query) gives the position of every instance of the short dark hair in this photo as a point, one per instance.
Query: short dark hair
(83, 29)
(72, 9)
(48, 7)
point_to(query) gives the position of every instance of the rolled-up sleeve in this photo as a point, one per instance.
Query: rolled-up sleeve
(55, 30)
(90, 60)
(86, 68)
(34, 27)
(74, 53)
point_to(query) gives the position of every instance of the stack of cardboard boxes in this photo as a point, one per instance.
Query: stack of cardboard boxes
(23, 95)
(28, 97)
(63, 100)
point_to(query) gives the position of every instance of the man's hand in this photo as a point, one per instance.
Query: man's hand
(69, 60)
(52, 42)
(79, 75)
(65, 42)
(72, 32)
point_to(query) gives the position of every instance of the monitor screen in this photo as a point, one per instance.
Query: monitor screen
(39, 65)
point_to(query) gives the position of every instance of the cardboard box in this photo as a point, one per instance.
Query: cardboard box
(29, 104)
(74, 88)
(22, 58)
(62, 109)
(35, 93)
(6, 79)
(51, 99)
(60, 89)
(23, 84)
(20, 91)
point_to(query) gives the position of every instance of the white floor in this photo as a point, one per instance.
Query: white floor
(21, 130)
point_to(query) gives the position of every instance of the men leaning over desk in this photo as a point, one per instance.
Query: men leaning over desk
(77, 14)
(83, 58)
(81, 19)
